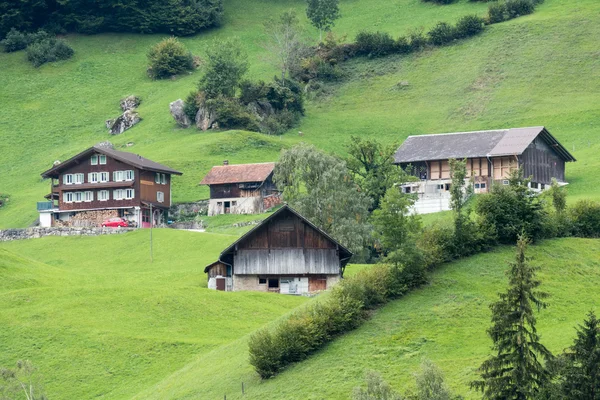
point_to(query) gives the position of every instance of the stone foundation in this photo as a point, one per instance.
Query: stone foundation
(8, 235)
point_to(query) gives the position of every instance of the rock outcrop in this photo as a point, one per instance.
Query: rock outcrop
(130, 103)
(178, 113)
(261, 109)
(205, 118)
(123, 122)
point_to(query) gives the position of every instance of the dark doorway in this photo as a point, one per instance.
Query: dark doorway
(273, 284)
(227, 207)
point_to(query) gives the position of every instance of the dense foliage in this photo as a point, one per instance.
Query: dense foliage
(16, 40)
(48, 50)
(516, 370)
(169, 57)
(322, 14)
(179, 17)
(322, 189)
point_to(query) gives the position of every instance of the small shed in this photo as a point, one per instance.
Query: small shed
(285, 253)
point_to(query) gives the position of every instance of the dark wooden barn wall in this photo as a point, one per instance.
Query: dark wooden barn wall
(542, 163)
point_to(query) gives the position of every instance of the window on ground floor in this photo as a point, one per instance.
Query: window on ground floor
(273, 283)
(262, 281)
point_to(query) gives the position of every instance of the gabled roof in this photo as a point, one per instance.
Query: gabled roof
(345, 254)
(474, 144)
(128, 158)
(238, 173)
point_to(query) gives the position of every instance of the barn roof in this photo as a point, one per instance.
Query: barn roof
(128, 158)
(474, 144)
(238, 173)
(345, 254)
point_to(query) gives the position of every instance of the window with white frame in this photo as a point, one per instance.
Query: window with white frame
(78, 197)
(163, 179)
(129, 194)
(88, 196)
(118, 194)
(160, 197)
(103, 195)
(93, 177)
(129, 175)
(157, 178)
(94, 160)
(79, 178)
(103, 176)
(68, 179)
(118, 176)
(102, 159)
(68, 197)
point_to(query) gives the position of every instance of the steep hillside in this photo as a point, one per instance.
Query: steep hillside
(539, 69)
(100, 320)
(444, 321)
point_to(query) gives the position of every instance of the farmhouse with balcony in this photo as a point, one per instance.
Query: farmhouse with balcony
(490, 155)
(286, 253)
(241, 188)
(101, 183)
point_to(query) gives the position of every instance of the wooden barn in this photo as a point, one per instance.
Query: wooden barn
(241, 188)
(286, 253)
(490, 156)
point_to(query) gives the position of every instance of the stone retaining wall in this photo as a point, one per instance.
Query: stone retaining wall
(8, 235)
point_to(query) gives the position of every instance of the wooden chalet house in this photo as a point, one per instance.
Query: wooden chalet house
(241, 188)
(286, 253)
(100, 183)
(490, 155)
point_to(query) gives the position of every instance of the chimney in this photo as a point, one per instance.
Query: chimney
(225, 162)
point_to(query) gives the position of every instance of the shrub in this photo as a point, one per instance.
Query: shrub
(516, 8)
(265, 356)
(16, 40)
(585, 216)
(374, 44)
(497, 12)
(442, 33)
(435, 242)
(48, 50)
(285, 95)
(279, 122)
(251, 92)
(417, 40)
(192, 104)
(169, 57)
(403, 45)
(231, 114)
(469, 25)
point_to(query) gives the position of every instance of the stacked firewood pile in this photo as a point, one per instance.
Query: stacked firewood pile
(89, 218)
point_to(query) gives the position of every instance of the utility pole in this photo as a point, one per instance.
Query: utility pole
(151, 224)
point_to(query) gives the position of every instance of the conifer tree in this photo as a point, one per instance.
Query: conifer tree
(582, 379)
(516, 371)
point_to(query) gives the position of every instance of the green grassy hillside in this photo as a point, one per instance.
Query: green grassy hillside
(536, 70)
(100, 320)
(444, 321)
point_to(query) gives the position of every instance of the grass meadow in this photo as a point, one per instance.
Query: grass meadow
(540, 69)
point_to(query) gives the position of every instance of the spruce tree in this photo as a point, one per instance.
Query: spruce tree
(516, 371)
(582, 379)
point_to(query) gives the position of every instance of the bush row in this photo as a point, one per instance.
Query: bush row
(295, 338)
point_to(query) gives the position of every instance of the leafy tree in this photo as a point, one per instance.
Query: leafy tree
(284, 42)
(582, 377)
(226, 64)
(559, 196)
(516, 371)
(372, 164)
(23, 379)
(377, 389)
(512, 209)
(321, 188)
(322, 14)
(430, 383)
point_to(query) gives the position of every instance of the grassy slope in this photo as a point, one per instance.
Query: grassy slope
(445, 322)
(539, 69)
(100, 320)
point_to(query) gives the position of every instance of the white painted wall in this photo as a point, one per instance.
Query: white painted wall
(244, 205)
(45, 219)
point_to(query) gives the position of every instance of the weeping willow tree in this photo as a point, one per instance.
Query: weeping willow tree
(516, 371)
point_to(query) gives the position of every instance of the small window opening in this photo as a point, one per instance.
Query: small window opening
(273, 283)
(262, 281)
